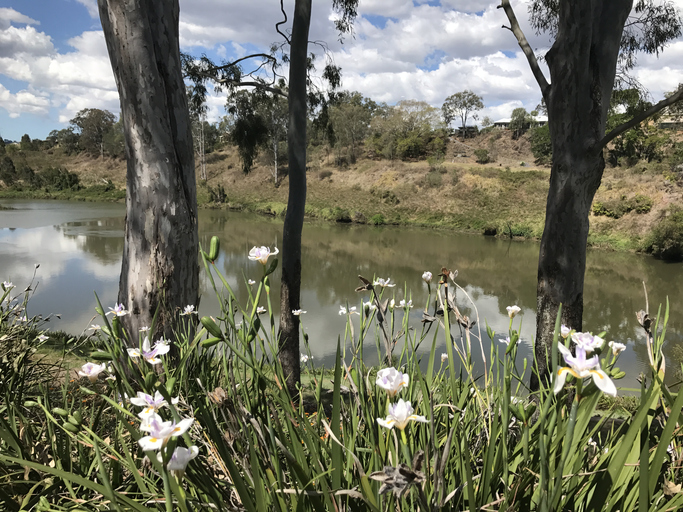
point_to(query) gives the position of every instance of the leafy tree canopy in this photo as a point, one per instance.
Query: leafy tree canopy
(463, 105)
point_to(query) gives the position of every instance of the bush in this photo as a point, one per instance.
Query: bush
(541, 145)
(437, 146)
(8, 173)
(386, 196)
(455, 177)
(666, 239)
(433, 179)
(412, 146)
(620, 207)
(482, 156)
(377, 220)
(52, 178)
(435, 162)
(217, 195)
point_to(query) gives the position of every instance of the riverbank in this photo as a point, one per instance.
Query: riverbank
(504, 198)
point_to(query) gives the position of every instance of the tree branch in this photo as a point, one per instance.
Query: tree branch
(277, 25)
(637, 119)
(524, 45)
(258, 85)
(264, 56)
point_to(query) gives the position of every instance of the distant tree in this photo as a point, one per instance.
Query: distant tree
(114, 141)
(26, 144)
(350, 116)
(404, 130)
(640, 142)
(249, 130)
(486, 122)
(67, 139)
(463, 105)
(2, 146)
(8, 173)
(542, 108)
(675, 110)
(93, 124)
(418, 116)
(520, 122)
(274, 111)
(541, 146)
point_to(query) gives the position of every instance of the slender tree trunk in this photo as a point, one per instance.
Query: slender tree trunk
(276, 136)
(160, 267)
(582, 64)
(291, 236)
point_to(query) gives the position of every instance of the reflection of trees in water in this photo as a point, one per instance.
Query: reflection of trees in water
(333, 256)
(102, 238)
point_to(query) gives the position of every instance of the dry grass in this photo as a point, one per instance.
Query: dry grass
(461, 194)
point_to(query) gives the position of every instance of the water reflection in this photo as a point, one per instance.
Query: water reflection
(78, 247)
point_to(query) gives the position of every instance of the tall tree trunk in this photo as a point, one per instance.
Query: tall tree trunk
(276, 136)
(160, 266)
(290, 290)
(582, 64)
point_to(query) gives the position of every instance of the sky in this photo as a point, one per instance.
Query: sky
(54, 62)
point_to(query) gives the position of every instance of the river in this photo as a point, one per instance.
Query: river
(78, 247)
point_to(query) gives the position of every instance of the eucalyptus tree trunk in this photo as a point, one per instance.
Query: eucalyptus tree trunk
(582, 64)
(160, 266)
(290, 290)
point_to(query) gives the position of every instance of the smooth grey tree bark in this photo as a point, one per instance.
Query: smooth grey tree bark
(160, 263)
(290, 288)
(583, 64)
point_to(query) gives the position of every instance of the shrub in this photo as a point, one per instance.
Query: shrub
(620, 207)
(433, 179)
(53, 178)
(666, 239)
(386, 196)
(541, 145)
(482, 156)
(437, 146)
(455, 177)
(435, 162)
(218, 195)
(377, 220)
(412, 146)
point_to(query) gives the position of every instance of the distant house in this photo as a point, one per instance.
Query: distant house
(670, 123)
(504, 124)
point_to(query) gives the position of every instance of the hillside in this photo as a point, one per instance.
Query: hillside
(504, 197)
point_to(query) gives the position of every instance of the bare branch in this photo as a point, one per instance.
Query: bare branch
(637, 119)
(524, 45)
(246, 57)
(277, 25)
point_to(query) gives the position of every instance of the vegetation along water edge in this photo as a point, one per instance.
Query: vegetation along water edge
(501, 193)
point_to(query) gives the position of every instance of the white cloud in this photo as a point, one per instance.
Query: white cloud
(25, 40)
(417, 50)
(91, 5)
(9, 16)
(23, 101)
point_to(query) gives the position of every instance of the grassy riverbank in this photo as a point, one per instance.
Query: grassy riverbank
(504, 198)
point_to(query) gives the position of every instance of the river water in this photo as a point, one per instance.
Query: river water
(78, 247)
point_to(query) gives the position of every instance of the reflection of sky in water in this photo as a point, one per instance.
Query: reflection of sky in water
(78, 247)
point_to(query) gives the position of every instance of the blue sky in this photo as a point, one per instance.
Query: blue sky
(53, 60)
